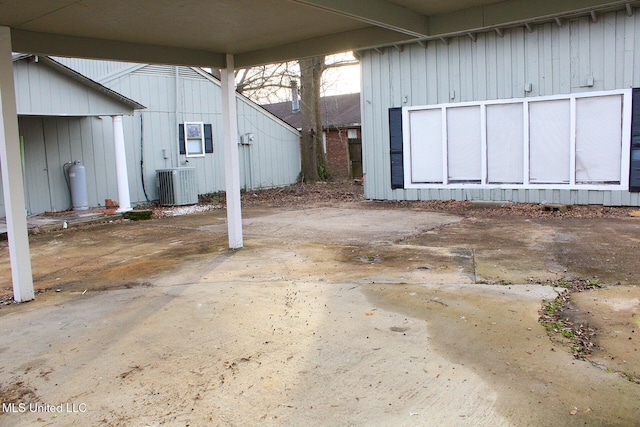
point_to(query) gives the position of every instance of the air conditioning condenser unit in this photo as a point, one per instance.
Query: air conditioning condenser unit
(177, 186)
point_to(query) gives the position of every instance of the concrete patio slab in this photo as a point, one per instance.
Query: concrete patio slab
(349, 316)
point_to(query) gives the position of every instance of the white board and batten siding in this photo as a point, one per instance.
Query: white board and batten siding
(459, 94)
(61, 120)
(174, 95)
(49, 143)
(40, 91)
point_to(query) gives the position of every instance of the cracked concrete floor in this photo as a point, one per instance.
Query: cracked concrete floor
(350, 316)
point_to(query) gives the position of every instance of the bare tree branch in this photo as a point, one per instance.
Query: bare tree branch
(272, 83)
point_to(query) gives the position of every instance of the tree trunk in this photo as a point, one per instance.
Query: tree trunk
(314, 164)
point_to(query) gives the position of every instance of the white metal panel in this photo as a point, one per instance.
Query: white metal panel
(426, 152)
(545, 128)
(505, 128)
(598, 139)
(549, 135)
(463, 142)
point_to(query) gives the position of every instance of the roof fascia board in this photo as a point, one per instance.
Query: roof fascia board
(511, 12)
(341, 42)
(19, 56)
(519, 10)
(206, 75)
(82, 47)
(380, 13)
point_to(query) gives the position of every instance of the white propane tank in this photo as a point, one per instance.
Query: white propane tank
(78, 186)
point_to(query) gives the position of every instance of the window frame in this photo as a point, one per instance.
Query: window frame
(188, 139)
(413, 161)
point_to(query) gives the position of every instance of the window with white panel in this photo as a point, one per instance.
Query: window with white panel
(598, 139)
(549, 141)
(464, 151)
(505, 151)
(426, 146)
(564, 141)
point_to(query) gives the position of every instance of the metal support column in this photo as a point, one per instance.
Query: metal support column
(231, 156)
(12, 180)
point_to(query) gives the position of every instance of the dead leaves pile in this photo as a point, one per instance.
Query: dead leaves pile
(581, 336)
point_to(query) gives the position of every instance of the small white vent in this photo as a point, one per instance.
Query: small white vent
(157, 70)
(177, 186)
(190, 73)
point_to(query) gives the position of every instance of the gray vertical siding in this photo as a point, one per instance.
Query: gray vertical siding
(50, 141)
(554, 60)
(44, 92)
(272, 160)
(97, 70)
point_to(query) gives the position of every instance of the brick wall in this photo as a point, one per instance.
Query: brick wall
(337, 153)
(337, 156)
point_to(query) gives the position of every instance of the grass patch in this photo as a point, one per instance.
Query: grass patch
(580, 338)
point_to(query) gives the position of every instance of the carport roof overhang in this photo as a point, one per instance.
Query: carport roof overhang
(224, 34)
(203, 32)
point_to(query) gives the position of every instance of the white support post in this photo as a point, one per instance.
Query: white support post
(12, 181)
(121, 165)
(231, 156)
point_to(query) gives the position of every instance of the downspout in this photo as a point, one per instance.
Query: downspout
(144, 187)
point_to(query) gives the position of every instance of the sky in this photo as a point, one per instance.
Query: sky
(335, 81)
(341, 80)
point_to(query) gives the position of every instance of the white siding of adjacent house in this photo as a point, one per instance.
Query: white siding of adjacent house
(553, 60)
(55, 130)
(49, 143)
(41, 91)
(60, 120)
(97, 70)
(175, 95)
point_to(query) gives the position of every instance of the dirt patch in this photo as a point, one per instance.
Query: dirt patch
(614, 313)
(336, 311)
(13, 395)
(434, 264)
(546, 249)
(103, 256)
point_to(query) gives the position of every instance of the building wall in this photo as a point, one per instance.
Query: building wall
(552, 59)
(42, 91)
(49, 143)
(59, 122)
(97, 70)
(174, 95)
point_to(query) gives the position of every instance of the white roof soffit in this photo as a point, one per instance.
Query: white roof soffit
(202, 32)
